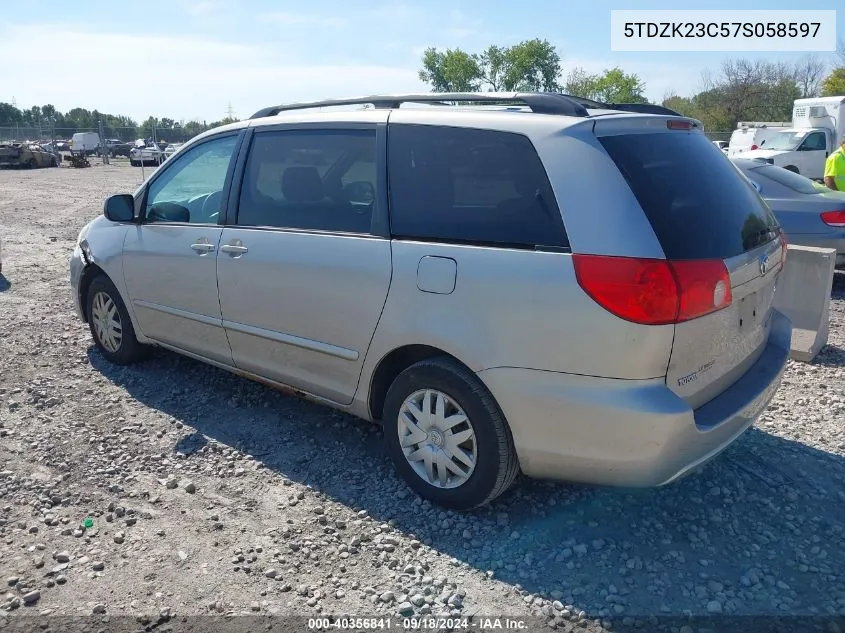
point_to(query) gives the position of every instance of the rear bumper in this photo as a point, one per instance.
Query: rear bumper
(634, 433)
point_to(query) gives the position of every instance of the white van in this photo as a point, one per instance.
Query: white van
(818, 125)
(751, 135)
(84, 143)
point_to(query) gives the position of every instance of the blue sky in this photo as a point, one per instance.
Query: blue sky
(191, 58)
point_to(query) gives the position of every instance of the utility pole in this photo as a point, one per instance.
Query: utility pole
(104, 151)
(230, 112)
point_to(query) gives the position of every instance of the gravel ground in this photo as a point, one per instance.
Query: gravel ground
(209, 494)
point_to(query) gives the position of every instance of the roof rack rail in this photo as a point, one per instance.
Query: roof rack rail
(539, 102)
(642, 108)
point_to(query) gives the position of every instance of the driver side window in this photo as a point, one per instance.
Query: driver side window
(815, 141)
(190, 189)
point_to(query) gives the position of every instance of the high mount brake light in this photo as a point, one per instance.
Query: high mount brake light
(675, 124)
(654, 291)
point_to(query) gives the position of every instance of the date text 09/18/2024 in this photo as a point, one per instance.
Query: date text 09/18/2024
(415, 624)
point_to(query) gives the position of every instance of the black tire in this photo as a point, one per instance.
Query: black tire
(32, 163)
(496, 464)
(132, 163)
(129, 349)
(792, 168)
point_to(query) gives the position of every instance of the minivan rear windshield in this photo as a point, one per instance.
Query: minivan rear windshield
(696, 202)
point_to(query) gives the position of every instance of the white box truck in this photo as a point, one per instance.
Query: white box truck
(85, 143)
(750, 135)
(818, 126)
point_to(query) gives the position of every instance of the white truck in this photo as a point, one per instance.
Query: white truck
(85, 143)
(818, 126)
(750, 135)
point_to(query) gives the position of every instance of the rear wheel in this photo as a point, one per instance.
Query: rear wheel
(110, 325)
(32, 163)
(447, 436)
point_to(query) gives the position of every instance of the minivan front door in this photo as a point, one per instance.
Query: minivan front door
(303, 274)
(169, 258)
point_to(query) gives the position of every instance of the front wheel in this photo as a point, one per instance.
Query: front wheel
(447, 436)
(110, 325)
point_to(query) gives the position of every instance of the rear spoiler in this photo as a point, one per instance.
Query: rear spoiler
(642, 108)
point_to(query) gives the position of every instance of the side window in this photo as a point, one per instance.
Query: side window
(190, 189)
(321, 180)
(815, 141)
(467, 185)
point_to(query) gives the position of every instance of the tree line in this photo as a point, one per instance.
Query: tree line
(741, 90)
(63, 125)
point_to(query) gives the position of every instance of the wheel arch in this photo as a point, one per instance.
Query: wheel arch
(394, 363)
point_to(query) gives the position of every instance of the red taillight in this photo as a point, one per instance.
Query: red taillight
(676, 124)
(654, 291)
(834, 218)
(754, 147)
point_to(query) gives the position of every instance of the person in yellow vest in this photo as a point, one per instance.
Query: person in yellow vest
(834, 168)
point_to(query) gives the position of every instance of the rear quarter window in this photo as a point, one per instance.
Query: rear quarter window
(470, 186)
(696, 202)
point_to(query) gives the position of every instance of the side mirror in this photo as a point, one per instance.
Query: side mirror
(120, 208)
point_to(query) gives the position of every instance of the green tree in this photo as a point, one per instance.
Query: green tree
(611, 86)
(531, 65)
(451, 71)
(834, 84)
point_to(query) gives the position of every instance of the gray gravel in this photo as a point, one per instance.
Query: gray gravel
(211, 494)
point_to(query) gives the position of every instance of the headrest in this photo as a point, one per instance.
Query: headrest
(302, 184)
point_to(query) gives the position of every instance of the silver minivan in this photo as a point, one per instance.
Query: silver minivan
(522, 283)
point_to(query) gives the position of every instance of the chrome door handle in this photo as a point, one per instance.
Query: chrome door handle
(233, 249)
(202, 247)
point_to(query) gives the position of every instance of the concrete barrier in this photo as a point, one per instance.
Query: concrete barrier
(803, 295)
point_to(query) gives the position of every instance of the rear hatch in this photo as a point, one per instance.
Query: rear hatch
(723, 245)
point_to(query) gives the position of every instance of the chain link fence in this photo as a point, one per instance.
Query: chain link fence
(20, 133)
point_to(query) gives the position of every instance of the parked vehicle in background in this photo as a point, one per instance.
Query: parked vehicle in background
(116, 147)
(85, 143)
(722, 145)
(350, 256)
(26, 155)
(810, 214)
(751, 135)
(63, 146)
(146, 154)
(171, 149)
(51, 148)
(817, 126)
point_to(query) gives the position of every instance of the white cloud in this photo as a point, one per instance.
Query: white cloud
(181, 77)
(289, 18)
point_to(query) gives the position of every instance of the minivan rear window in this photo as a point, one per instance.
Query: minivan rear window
(696, 202)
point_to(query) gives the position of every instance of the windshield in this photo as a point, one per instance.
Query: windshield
(787, 141)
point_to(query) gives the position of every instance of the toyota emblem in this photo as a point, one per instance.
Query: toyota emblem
(764, 264)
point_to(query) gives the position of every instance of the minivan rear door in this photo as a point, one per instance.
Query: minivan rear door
(702, 209)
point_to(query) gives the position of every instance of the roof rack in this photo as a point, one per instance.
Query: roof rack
(539, 102)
